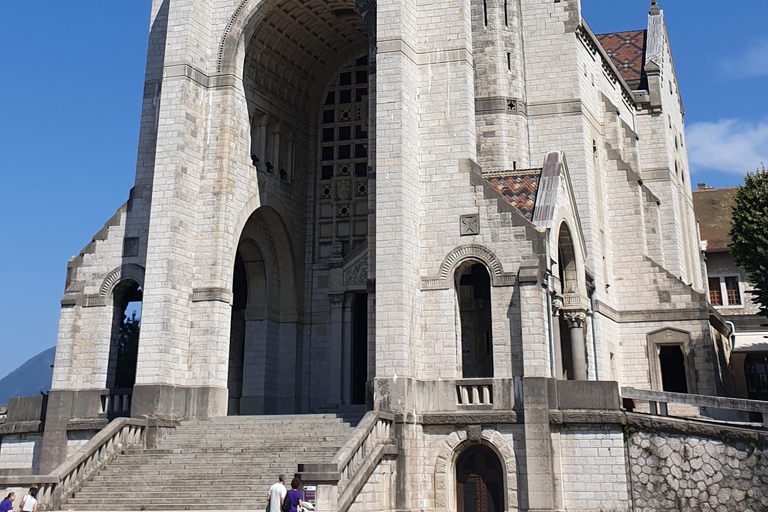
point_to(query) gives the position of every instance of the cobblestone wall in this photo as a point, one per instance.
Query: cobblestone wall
(673, 472)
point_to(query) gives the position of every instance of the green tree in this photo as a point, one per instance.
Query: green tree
(749, 234)
(127, 351)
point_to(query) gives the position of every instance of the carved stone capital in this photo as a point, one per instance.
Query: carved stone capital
(337, 299)
(557, 305)
(575, 319)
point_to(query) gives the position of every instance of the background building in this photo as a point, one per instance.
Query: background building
(730, 293)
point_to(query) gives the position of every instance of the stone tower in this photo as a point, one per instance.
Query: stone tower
(362, 204)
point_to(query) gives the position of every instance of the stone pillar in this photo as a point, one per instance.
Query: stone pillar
(346, 368)
(538, 443)
(576, 321)
(335, 353)
(557, 308)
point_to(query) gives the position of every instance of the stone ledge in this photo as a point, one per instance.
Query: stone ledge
(696, 428)
(470, 418)
(77, 424)
(581, 417)
(21, 427)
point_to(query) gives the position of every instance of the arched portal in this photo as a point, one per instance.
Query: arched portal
(299, 336)
(126, 326)
(479, 481)
(263, 333)
(473, 295)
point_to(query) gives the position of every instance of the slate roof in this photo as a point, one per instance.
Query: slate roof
(714, 210)
(627, 51)
(519, 188)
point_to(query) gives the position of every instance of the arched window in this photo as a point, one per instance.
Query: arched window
(479, 481)
(126, 327)
(473, 294)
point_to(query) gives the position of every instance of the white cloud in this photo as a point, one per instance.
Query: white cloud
(727, 145)
(753, 62)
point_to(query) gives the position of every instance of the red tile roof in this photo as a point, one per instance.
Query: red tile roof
(519, 188)
(627, 51)
(714, 210)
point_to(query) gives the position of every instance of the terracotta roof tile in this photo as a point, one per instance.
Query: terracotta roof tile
(714, 210)
(627, 51)
(519, 188)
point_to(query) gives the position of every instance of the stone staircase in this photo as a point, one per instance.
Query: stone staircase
(211, 465)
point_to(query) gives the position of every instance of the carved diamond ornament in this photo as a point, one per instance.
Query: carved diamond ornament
(469, 224)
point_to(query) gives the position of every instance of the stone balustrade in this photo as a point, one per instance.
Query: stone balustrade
(474, 393)
(92, 457)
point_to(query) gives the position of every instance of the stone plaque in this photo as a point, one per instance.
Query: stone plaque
(469, 224)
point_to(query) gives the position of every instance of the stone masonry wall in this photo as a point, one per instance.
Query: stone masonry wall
(21, 453)
(379, 492)
(674, 472)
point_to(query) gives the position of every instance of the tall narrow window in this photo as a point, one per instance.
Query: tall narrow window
(506, 14)
(732, 289)
(509, 61)
(473, 290)
(715, 295)
(342, 194)
(485, 12)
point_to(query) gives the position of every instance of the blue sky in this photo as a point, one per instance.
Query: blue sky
(71, 95)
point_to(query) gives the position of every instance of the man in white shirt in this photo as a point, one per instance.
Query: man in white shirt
(277, 494)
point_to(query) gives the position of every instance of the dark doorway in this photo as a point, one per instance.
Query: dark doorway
(359, 347)
(479, 481)
(756, 369)
(473, 288)
(672, 363)
(566, 349)
(237, 336)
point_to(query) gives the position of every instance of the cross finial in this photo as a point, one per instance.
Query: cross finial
(655, 11)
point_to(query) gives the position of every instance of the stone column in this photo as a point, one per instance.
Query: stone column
(336, 344)
(576, 321)
(346, 369)
(557, 308)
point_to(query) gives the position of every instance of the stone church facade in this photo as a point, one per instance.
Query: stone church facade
(439, 209)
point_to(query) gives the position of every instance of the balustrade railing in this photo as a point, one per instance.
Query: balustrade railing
(357, 460)
(68, 478)
(474, 393)
(117, 402)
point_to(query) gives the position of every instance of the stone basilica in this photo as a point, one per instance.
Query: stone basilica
(462, 221)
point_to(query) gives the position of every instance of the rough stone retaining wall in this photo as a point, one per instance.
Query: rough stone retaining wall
(687, 472)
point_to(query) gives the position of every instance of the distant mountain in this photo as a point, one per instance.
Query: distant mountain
(30, 378)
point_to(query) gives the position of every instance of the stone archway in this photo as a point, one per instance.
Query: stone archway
(445, 467)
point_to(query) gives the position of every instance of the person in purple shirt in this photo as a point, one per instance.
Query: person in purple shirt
(7, 504)
(294, 495)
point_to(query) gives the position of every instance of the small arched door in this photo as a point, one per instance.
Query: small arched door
(479, 481)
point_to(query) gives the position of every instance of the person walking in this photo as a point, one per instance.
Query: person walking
(7, 504)
(276, 495)
(29, 502)
(294, 495)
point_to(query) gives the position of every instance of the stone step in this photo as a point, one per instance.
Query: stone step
(201, 463)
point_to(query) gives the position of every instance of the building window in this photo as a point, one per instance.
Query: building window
(732, 289)
(724, 291)
(756, 369)
(715, 296)
(342, 194)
